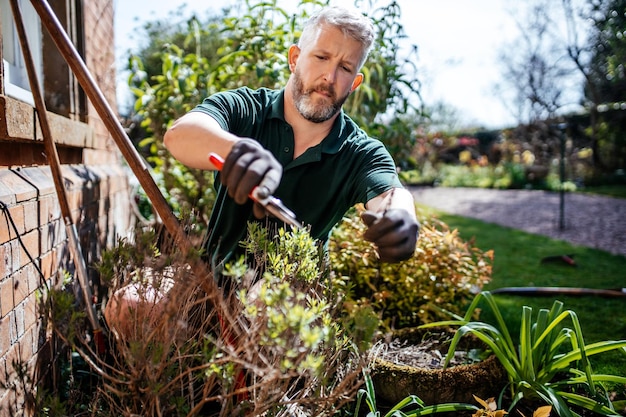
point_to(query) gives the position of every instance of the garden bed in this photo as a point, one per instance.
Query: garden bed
(410, 362)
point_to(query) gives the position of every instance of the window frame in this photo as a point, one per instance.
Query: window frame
(16, 83)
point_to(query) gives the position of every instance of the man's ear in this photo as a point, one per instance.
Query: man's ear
(292, 57)
(357, 81)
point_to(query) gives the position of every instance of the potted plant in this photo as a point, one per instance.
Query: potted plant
(551, 362)
(411, 362)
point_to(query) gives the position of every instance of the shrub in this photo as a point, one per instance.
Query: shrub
(445, 271)
(272, 342)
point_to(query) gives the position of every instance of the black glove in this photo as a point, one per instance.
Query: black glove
(249, 165)
(394, 232)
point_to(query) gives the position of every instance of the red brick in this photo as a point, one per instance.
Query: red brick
(6, 229)
(29, 248)
(53, 212)
(3, 371)
(14, 220)
(4, 235)
(15, 396)
(15, 255)
(30, 312)
(49, 209)
(42, 206)
(46, 263)
(5, 337)
(20, 287)
(5, 266)
(8, 403)
(9, 154)
(6, 296)
(26, 348)
(33, 278)
(18, 313)
(17, 214)
(23, 190)
(52, 235)
(40, 178)
(9, 258)
(31, 215)
(39, 216)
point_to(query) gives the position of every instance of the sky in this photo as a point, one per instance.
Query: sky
(458, 45)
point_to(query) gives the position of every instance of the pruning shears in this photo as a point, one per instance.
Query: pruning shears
(272, 204)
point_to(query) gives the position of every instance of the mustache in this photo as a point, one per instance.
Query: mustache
(329, 89)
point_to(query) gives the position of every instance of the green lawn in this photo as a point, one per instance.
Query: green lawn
(517, 263)
(617, 190)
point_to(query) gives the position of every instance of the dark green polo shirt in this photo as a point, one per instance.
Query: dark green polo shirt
(346, 168)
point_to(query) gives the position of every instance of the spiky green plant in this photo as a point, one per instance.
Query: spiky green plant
(551, 362)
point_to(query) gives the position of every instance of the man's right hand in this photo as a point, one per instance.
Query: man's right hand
(249, 165)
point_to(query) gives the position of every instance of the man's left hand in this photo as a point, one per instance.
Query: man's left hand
(394, 232)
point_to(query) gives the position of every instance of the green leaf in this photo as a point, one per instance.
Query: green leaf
(588, 403)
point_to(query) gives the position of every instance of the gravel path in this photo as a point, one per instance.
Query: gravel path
(588, 220)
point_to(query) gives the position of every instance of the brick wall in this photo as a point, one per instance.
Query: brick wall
(34, 251)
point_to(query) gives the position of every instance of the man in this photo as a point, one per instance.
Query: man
(298, 145)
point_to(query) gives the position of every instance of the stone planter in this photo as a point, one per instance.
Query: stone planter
(394, 382)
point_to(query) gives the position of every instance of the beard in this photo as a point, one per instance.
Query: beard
(308, 107)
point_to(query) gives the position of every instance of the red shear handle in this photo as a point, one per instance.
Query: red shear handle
(271, 203)
(216, 160)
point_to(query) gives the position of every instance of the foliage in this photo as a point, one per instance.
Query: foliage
(477, 176)
(387, 104)
(427, 175)
(398, 135)
(528, 156)
(608, 50)
(171, 95)
(599, 59)
(611, 138)
(271, 343)
(502, 176)
(30, 391)
(551, 361)
(411, 406)
(525, 157)
(444, 270)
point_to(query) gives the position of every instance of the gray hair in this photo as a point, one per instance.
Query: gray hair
(350, 21)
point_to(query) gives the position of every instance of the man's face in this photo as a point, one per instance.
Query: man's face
(324, 74)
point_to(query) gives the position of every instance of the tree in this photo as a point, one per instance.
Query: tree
(534, 66)
(574, 48)
(601, 61)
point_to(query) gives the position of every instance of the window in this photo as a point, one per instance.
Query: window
(16, 82)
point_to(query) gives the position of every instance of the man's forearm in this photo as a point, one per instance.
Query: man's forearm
(396, 198)
(192, 137)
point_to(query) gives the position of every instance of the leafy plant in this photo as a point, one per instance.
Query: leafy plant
(551, 362)
(411, 406)
(271, 343)
(444, 270)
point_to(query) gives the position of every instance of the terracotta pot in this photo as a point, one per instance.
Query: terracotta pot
(393, 382)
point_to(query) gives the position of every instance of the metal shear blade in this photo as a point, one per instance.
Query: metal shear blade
(271, 203)
(276, 207)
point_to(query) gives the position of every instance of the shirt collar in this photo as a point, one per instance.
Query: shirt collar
(278, 106)
(332, 143)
